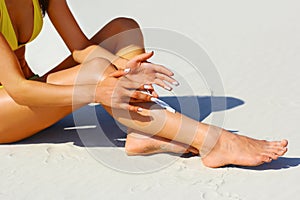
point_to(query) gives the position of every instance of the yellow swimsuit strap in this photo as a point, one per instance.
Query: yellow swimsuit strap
(7, 28)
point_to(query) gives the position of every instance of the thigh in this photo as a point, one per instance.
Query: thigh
(18, 122)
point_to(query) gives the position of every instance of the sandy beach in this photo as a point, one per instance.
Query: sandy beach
(252, 52)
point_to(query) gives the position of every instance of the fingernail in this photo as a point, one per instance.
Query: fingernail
(127, 70)
(140, 109)
(170, 110)
(147, 87)
(175, 83)
(146, 92)
(153, 99)
(168, 88)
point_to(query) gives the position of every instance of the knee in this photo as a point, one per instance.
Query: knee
(125, 23)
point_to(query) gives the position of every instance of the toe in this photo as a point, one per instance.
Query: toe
(193, 150)
(266, 159)
(275, 144)
(280, 150)
(269, 160)
(284, 143)
(277, 150)
(271, 155)
(274, 156)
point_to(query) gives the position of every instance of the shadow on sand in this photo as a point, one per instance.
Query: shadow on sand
(106, 135)
(280, 163)
(196, 107)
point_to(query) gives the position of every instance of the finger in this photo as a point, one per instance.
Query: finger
(167, 78)
(159, 68)
(130, 107)
(119, 73)
(141, 96)
(154, 94)
(143, 57)
(162, 84)
(136, 101)
(148, 87)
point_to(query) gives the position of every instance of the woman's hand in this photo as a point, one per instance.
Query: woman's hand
(140, 71)
(119, 92)
(133, 84)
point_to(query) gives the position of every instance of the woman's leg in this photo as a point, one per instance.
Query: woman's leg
(220, 146)
(229, 148)
(109, 37)
(217, 146)
(19, 122)
(139, 143)
(127, 45)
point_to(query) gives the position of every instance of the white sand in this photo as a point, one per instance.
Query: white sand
(255, 47)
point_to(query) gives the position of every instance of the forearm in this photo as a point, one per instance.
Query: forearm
(33, 93)
(78, 85)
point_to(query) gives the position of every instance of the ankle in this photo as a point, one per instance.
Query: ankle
(210, 138)
(199, 136)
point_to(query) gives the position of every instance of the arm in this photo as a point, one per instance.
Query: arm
(67, 27)
(101, 88)
(33, 93)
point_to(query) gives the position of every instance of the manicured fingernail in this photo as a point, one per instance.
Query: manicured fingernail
(147, 87)
(140, 109)
(170, 110)
(153, 99)
(175, 83)
(127, 70)
(146, 92)
(168, 88)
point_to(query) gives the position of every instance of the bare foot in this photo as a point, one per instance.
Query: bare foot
(243, 151)
(138, 144)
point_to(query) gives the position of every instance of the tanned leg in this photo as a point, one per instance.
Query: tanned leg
(218, 147)
(123, 37)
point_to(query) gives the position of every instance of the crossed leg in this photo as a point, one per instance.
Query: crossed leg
(123, 37)
(217, 146)
(35, 119)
